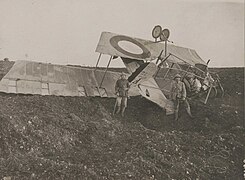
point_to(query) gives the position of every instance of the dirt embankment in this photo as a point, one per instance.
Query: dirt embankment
(48, 137)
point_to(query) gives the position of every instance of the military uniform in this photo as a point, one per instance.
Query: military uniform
(195, 84)
(178, 95)
(121, 89)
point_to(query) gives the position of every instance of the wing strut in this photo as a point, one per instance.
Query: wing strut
(210, 88)
(105, 71)
(162, 61)
(97, 62)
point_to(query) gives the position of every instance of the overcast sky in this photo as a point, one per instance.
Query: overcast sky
(67, 31)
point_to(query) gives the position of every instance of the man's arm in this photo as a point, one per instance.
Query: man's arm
(128, 85)
(183, 91)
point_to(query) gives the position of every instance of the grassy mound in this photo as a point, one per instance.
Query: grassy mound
(48, 137)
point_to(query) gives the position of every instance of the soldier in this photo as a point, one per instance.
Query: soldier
(195, 84)
(178, 95)
(121, 89)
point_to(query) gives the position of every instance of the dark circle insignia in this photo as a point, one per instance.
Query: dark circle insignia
(116, 39)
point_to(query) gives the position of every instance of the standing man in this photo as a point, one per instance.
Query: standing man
(121, 89)
(178, 95)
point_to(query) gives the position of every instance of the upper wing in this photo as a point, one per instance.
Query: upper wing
(139, 49)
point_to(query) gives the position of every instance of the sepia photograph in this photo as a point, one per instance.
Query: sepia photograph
(122, 89)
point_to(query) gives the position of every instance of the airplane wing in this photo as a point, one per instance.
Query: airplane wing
(151, 91)
(140, 49)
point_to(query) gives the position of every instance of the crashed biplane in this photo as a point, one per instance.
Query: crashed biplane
(153, 65)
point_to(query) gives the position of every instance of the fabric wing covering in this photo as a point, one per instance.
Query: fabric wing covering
(139, 49)
(48, 79)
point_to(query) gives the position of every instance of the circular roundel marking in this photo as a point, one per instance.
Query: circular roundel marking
(164, 35)
(156, 32)
(115, 43)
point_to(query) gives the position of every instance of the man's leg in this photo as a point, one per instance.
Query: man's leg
(124, 105)
(122, 112)
(188, 108)
(119, 99)
(115, 107)
(176, 109)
